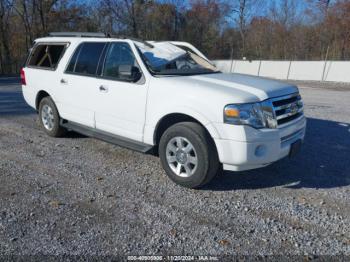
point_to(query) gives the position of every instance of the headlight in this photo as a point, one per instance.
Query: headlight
(245, 114)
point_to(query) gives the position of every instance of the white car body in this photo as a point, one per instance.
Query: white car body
(134, 110)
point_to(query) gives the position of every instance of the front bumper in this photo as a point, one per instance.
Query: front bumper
(243, 147)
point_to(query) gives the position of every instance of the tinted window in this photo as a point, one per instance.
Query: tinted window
(88, 57)
(71, 65)
(46, 55)
(119, 54)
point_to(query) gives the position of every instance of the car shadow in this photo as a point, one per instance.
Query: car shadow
(324, 162)
(72, 134)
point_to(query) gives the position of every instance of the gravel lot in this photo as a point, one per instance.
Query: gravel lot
(80, 196)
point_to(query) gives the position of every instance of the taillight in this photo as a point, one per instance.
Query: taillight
(23, 77)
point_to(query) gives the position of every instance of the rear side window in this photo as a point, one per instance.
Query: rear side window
(46, 56)
(86, 58)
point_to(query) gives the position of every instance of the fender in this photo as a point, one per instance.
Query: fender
(152, 124)
(38, 95)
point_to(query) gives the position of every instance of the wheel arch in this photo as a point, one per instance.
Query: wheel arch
(170, 119)
(41, 94)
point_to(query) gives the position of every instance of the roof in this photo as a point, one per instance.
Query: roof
(74, 39)
(77, 37)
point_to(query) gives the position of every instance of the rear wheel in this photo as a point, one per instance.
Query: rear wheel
(188, 155)
(49, 118)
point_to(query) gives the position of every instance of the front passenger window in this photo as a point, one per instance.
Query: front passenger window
(119, 60)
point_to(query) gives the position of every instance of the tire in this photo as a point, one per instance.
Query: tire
(49, 118)
(187, 167)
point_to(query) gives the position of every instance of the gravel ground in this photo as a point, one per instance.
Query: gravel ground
(80, 196)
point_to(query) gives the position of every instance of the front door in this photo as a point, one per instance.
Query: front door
(121, 101)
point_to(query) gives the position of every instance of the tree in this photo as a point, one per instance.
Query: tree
(44, 8)
(243, 10)
(5, 53)
(201, 25)
(127, 14)
(271, 29)
(26, 10)
(338, 22)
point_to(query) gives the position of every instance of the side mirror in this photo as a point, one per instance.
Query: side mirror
(129, 73)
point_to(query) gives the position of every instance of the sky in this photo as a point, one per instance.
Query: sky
(261, 10)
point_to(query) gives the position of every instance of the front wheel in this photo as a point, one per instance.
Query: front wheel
(188, 155)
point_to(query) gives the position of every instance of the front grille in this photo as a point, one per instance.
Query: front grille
(286, 101)
(281, 110)
(288, 119)
(287, 108)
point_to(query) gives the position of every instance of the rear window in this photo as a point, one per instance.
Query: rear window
(46, 56)
(86, 58)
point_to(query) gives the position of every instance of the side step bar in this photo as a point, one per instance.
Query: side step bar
(107, 137)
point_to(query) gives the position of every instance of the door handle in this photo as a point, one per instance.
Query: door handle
(64, 81)
(104, 89)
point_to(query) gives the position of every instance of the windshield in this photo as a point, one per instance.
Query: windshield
(165, 58)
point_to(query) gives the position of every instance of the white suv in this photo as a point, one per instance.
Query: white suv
(162, 97)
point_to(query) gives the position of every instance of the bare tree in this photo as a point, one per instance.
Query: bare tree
(26, 11)
(44, 8)
(243, 10)
(5, 11)
(128, 13)
(220, 28)
(285, 19)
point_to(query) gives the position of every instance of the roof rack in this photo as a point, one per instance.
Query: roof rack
(141, 41)
(88, 34)
(76, 34)
(132, 39)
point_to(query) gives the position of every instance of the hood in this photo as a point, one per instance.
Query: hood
(246, 87)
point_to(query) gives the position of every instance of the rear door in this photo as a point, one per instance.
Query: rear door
(120, 103)
(79, 85)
